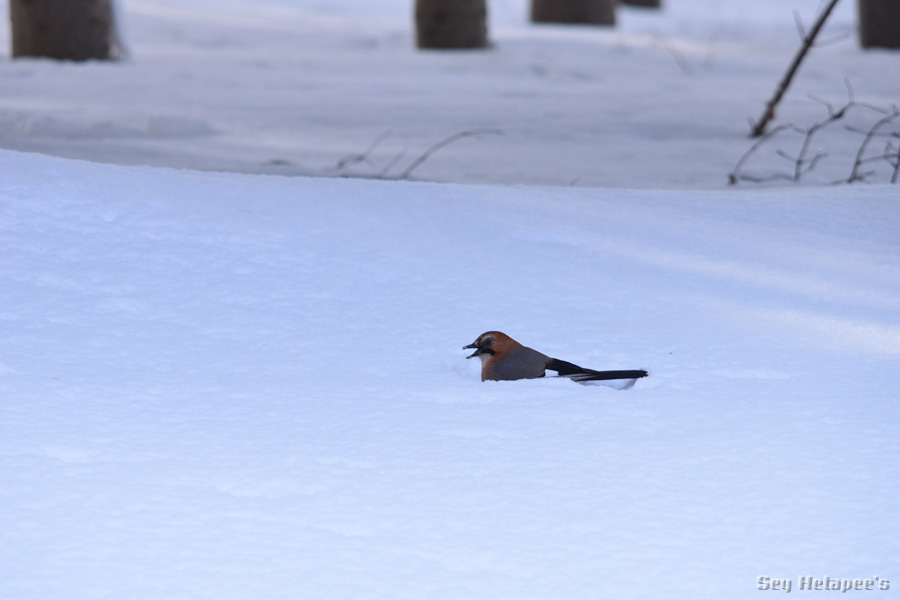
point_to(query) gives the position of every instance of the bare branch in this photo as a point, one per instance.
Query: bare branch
(832, 41)
(852, 129)
(445, 142)
(736, 175)
(892, 156)
(819, 156)
(860, 155)
(798, 21)
(849, 87)
(763, 179)
(791, 159)
(827, 104)
(769, 113)
(387, 168)
(711, 48)
(802, 161)
(353, 159)
(686, 67)
(805, 163)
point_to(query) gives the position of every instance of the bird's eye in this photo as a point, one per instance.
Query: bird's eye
(487, 341)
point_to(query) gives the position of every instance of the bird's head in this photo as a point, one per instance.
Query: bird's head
(490, 343)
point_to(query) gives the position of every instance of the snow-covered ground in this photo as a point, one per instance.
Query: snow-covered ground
(233, 386)
(243, 386)
(290, 87)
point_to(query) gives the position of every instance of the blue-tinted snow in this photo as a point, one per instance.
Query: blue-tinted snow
(243, 387)
(234, 386)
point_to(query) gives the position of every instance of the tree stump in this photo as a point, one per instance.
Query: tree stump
(879, 23)
(451, 24)
(588, 12)
(63, 29)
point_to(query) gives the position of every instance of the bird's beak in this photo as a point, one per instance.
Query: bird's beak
(478, 350)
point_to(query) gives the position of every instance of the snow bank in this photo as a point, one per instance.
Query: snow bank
(295, 88)
(227, 386)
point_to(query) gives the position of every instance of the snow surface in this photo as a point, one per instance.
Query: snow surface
(290, 87)
(245, 386)
(234, 386)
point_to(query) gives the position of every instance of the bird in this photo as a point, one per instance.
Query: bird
(505, 359)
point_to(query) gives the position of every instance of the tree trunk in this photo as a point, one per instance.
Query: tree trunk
(643, 3)
(451, 23)
(879, 23)
(63, 29)
(590, 12)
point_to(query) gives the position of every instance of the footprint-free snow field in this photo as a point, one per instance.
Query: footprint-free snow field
(233, 386)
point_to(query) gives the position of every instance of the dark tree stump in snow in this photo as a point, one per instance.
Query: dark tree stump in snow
(451, 23)
(879, 23)
(588, 12)
(643, 3)
(63, 29)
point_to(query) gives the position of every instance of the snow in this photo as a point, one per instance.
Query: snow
(243, 385)
(296, 87)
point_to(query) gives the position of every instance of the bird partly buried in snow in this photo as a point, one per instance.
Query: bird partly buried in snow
(505, 359)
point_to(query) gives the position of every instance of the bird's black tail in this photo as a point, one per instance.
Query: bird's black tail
(580, 374)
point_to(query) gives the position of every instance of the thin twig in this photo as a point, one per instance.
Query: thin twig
(353, 159)
(893, 160)
(798, 21)
(802, 163)
(852, 129)
(684, 64)
(766, 179)
(854, 173)
(387, 168)
(711, 49)
(827, 104)
(892, 156)
(445, 142)
(834, 40)
(736, 174)
(769, 114)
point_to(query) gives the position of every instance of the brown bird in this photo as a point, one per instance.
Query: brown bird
(505, 359)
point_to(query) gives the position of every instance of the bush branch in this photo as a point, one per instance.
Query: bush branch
(444, 142)
(870, 135)
(808, 39)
